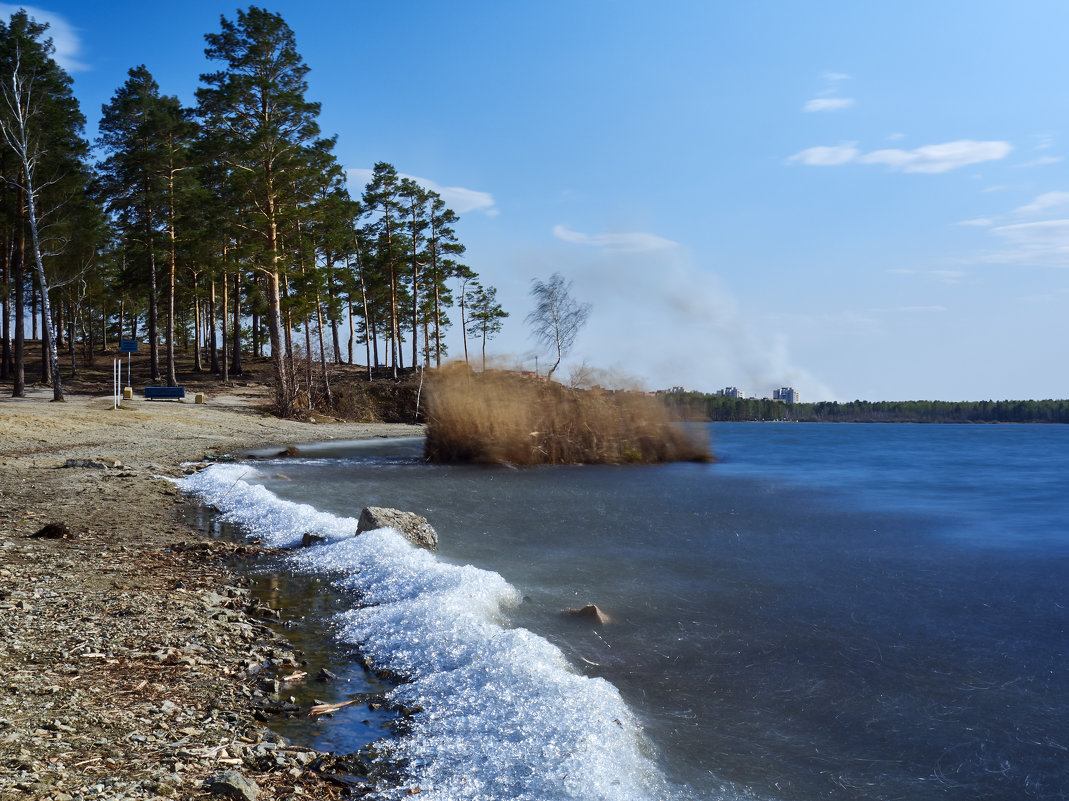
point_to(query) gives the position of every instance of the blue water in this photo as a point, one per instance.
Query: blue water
(827, 612)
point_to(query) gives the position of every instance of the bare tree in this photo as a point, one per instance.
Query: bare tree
(557, 317)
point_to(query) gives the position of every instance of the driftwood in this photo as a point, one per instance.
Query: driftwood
(326, 709)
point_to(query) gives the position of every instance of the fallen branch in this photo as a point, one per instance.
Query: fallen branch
(326, 709)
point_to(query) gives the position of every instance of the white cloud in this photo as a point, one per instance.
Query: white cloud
(458, 198)
(827, 99)
(1041, 162)
(1042, 243)
(979, 222)
(827, 156)
(634, 242)
(828, 103)
(939, 158)
(1043, 141)
(926, 159)
(1048, 200)
(942, 276)
(64, 35)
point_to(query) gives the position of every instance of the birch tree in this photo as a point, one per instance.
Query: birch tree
(40, 125)
(557, 316)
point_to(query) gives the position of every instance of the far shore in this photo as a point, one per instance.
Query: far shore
(127, 647)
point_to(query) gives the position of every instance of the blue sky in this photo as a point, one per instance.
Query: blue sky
(859, 201)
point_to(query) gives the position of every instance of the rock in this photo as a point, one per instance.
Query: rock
(589, 612)
(414, 528)
(232, 784)
(93, 463)
(54, 531)
(309, 539)
(326, 675)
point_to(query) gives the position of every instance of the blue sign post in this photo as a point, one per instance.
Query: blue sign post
(129, 347)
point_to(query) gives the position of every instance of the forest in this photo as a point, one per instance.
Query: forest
(700, 406)
(225, 229)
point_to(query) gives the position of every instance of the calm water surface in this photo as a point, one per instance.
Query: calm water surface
(828, 612)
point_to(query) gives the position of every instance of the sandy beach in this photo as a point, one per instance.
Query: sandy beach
(131, 656)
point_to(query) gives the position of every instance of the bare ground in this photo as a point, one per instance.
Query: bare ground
(131, 658)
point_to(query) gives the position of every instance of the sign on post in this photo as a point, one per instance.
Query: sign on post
(129, 347)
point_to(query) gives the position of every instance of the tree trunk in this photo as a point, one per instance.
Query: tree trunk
(42, 280)
(6, 367)
(224, 359)
(212, 342)
(323, 355)
(283, 391)
(289, 331)
(463, 320)
(437, 317)
(153, 303)
(235, 328)
(198, 331)
(47, 343)
(395, 327)
(352, 329)
(70, 342)
(308, 359)
(369, 329)
(18, 270)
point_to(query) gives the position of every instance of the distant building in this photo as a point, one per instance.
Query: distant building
(672, 391)
(787, 395)
(731, 392)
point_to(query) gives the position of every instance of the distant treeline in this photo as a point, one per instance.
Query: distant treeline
(698, 406)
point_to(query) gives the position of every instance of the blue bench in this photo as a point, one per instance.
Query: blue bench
(168, 393)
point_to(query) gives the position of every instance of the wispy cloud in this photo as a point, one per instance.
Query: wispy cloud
(827, 99)
(942, 276)
(64, 36)
(1044, 243)
(828, 103)
(926, 159)
(634, 242)
(979, 222)
(824, 156)
(1041, 162)
(921, 309)
(458, 198)
(939, 158)
(1043, 203)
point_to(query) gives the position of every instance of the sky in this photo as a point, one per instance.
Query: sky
(858, 200)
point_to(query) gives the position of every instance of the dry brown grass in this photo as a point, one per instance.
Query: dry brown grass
(498, 417)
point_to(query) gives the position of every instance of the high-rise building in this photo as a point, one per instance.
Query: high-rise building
(787, 395)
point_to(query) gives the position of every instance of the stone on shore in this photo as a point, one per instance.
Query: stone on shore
(54, 531)
(232, 784)
(590, 612)
(414, 528)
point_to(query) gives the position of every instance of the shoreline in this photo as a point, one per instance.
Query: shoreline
(132, 653)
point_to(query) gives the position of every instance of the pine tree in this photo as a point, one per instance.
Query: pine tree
(257, 106)
(147, 137)
(487, 316)
(382, 202)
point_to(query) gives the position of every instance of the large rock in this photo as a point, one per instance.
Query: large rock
(589, 612)
(415, 529)
(232, 784)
